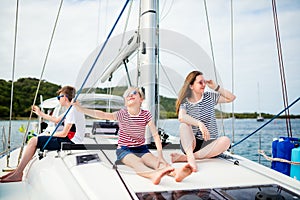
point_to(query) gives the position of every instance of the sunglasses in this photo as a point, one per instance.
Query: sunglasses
(134, 92)
(58, 97)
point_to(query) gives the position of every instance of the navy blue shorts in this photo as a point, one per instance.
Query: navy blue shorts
(53, 144)
(200, 143)
(138, 151)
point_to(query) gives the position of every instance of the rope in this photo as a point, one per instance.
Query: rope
(281, 67)
(40, 80)
(126, 24)
(214, 62)
(168, 78)
(261, 152)
(12, 86)
(232, 67)
(89, 73)
(167, 12)
(266, 123)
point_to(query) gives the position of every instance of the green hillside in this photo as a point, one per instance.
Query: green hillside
(25, 89)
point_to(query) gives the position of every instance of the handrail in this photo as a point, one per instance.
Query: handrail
(7, 151)
(276, 116)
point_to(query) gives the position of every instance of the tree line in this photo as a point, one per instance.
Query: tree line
(25, 89)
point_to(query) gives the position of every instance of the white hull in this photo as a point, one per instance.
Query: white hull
(57, 176)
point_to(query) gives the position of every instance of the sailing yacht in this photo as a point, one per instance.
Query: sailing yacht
(259, 118)
(89, 170)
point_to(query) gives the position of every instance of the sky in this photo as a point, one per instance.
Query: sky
(251, 72)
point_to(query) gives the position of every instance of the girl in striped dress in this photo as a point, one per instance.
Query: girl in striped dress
(196, 114)
(131, 149)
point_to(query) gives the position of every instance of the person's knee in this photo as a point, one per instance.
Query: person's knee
(225, 142)
(183, 125)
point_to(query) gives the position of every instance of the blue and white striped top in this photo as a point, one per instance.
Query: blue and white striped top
(204, 111)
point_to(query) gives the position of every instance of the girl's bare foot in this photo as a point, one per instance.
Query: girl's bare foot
(176, 157)
(183, 172)
(158, 174)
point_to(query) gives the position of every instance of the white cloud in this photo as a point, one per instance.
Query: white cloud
(81, 26)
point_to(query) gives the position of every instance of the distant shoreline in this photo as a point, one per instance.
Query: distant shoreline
(218, 116)
(26, 87)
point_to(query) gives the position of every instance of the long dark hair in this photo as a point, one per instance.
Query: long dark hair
(185, 91)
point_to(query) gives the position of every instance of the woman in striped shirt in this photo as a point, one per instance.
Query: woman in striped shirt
(132, 150)
(196, 113)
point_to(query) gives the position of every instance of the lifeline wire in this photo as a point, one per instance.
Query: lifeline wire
(89, 73)
(267, 122)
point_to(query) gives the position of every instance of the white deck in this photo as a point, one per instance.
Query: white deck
(59, 177)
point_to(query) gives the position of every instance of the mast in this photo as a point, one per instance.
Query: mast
(147, 57)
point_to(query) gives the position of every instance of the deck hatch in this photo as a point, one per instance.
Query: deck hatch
(86, 159)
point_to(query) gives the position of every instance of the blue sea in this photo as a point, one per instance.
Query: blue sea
(242, 128)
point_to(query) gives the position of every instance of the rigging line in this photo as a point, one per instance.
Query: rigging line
(40, 80)
(168, 11)
(139, 49)
(213, 59)
(12, 84)
(127, 73)
(109, 91)
(210, 41)
(281, 67)
(89, 73)
(98, 22)
(266, 123)
(232, 65)
(126, 24)
(170, 82)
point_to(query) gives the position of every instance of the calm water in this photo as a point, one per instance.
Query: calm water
(242, 128)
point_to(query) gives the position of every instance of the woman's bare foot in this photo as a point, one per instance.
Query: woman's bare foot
(14, 177)
(177, 157)
(159, 173)
(183, 172)
(192, 162)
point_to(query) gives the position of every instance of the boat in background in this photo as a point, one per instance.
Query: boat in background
(259, 118)
(89, 171)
